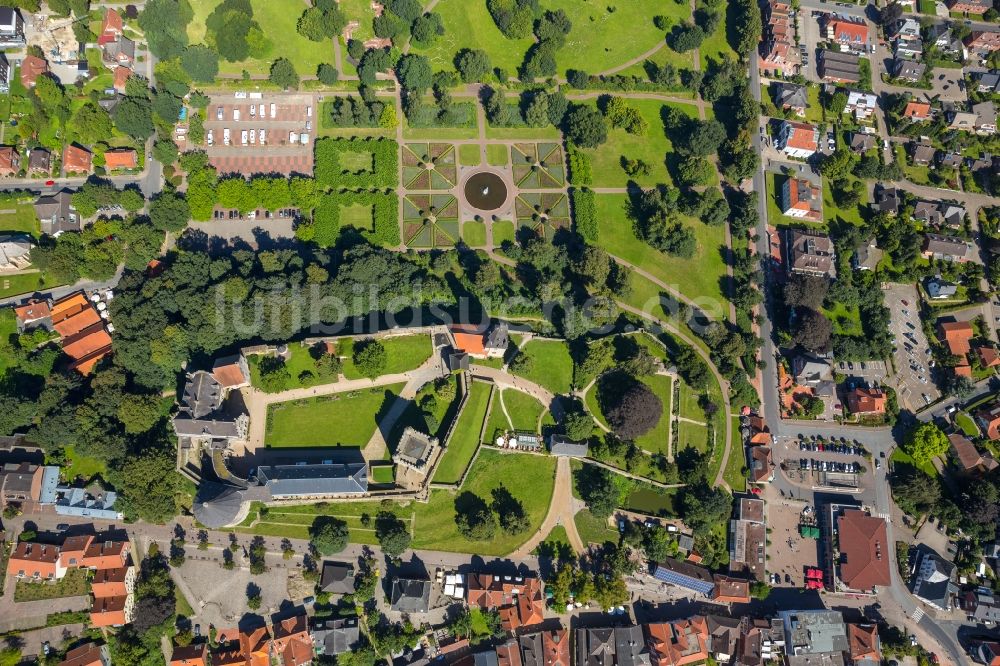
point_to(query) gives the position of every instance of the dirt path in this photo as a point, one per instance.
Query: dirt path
(504, 379)
(635, 61)
(560, 513)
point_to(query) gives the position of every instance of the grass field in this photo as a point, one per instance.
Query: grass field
(474, 233)
(340, 420)
(503, 230)
(24, 283)
(691, 434)
(656, 440)
(497, 421)
(73, 584)
(19, 218)
(652, 148)
(469, 25)
(468, 154)
(524, 410)
(383, 474)
(497, 154)
(901, 457)
(594, 407)
(278, 21)
(834, 214)
(716, 45)
(294, 521)
(699, 276)
(733, 474)
(465, 438)
(593, 529)
(966, 424)
(532, 484)
(551, 365)
(689, 407)
(403, 353)
(81, 465)
(299, 361)
(360, 11)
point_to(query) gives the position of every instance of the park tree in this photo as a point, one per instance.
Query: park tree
(169, 211)
(200, 62)
(138, 412)
(537, 112)
(806, 291)
(473, 65)
(283, 74)
(924, 443)
(164, 23)
(685, 37)
(695, 170)
(597, 488)
(631, 408)
(813, 331)
(327, 74)
(510, 511)
(392, 534)
(474, 518)
(836, 103)
(578, 426)
(426, 28)
(370, 358)
(585, 127)
(134, 117)
(415, 72)
(165, 151)
(328, 535)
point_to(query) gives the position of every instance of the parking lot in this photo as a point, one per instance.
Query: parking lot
(871, 372)
(810, 35)
(252, 133)
(914, 390)
(822, 463)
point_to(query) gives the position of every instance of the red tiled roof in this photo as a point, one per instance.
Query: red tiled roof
(956, 335)
(848, 31)
(802, 136)
(123, 158)
(32, 311)
(111, 28)
(84, 655)
(917, 110)
(468, 340)
(122, 75)
(31, 68)
(863, 640)
(77, 159)
(190, 655)
(34, 559)
(988, 356)
(730, 590)
(108, 611)
(8, 157)
(866, 401)
(864, 550)
(678, 642)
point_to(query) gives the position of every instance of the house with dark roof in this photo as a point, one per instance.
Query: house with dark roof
(938, 288)
(980, 605)
(611, 646)
(838, 67)
(545, 648)
(921, 154)
(560, 445)
(686, 575)
(39, 162)
(308, 480)
(801, 199)
(410, 595)
(967, 457)
(946, 248)
(811, 253)
(865, 648)
(867, 256)
(119, 53)
(337, 578)
(934, 579)
(56, 212)
(861, 142)
(814, 637)
(333, 636)
(205, 412)
(791, 97)
(887, 200)
(907, 70)
(748, 539)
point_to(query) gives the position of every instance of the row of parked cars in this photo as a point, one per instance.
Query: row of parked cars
(829, 447)
(809, 464)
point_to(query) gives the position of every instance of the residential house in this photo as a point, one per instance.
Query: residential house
(243, 647)
(85, 340)
(77, 159)
(948, 160)
(729, 590)
(838, 67)
(791, 97)
(88, 654)
(951, 215)
(677, 642)
(777, 54)
(10, 161)
(32, 315)
(755, 432)
(545, 648)
(39, 162)
(291, 644)
(956, 336)
(986, 118)
(866, 401)
(800, 198)
(867, 256)
(861, 104)
(887, 200)
(814, 637)
(921, 153)
(969, 6)
(928, 212)
(910, 48)
(861, 563)
(4, 74)
(15, 251)
(907, 70)
(337, 578)
(195, 654)
(981, 605)
(988, 418)
(947, 248)
(119, 53)
(611, 646)
(686, 575)
(865, 647)
(917, 111)
(56, 212)
(811, 253)
(987, 82)
(31, 68)
(963, 121)
(333, 636)
(748, 540)
(861, 142)
(934, 579)
(410, 595)
(121, 158)
(905, 26)
(982, 41)
(851, 33)
(797, 139)
(967, 457)
(20, 482)
(809, 370)
(518, 598)
(11, 28)
(491, 343)
(111, 27)
(938, 288)
(122, 75)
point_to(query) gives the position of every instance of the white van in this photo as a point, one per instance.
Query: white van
(309, 112)
(253, 111)
(253, 136)
(243, 138)
(210, 137)
(218, 113)
(303, 138)
(225, 136)
(236, 114)
(262, 136)
(274, 110)
(261, 111)
(293, 137)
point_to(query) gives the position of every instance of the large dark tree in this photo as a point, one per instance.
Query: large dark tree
(328, 535)
(392, 534)
(585, 127)
(806, 291)
(813, 331)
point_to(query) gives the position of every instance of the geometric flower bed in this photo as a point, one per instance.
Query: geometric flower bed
(429, 166)
(430, 220)
(538, 166)
(543, 212)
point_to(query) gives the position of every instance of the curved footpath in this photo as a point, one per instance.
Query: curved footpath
(561, 512)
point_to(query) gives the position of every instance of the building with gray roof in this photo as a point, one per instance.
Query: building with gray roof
(686, 575)
(409, 595)
(205, 412)
(560, 445)
(313, 479)
(55, 212)
(415, 450)
(337, 578)
(335, 635)
(814, 637)
(934, 579)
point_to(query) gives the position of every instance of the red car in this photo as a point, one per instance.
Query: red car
(906, 303)
(50, 183)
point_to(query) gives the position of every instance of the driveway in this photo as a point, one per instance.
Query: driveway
(810, 36)
(912, 360)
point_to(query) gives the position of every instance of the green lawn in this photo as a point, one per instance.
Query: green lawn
(497, 154)
(468, 25)
(73, 584)
(927, 7)
(654, 147)
(524, 410)
(383, 474)
(551, 366)
(690, 434)
(716, 45)
(689, 407)
(594, 407)
(606, 34)
(277, 20)
(403, 353)
(832, 213)
(901, 457)
(78, 465)
(19, 218)
(529, 480)
(503, 230)
(474, 233)
(966, 424)
(24, 283)
(497, 422)
(465, 438)
(846, 320)
(301, 367)
(734, 466)
(656, 440)
(8, 327)
(360, 11)
(468, 154)
(294, 521)
(699, 276)
(593, 529)
(346, 419)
